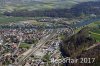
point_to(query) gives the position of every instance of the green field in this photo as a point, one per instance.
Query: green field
(39, 5)
(25, 45)
(96, 36)
(95, 31)
(5, 19)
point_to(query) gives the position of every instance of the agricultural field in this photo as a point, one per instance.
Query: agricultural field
(94, 24)
(5, 19)
(38, 5)
(96, 36)
(96, 30)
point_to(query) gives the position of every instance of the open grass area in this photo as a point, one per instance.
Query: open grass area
(25, 45)
(39, 5)
(96, 36)
(96, 31)
(29, 6)
(5, 19)
(94, 24)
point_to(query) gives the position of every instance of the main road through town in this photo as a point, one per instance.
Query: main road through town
(32, 50)
(41, 42)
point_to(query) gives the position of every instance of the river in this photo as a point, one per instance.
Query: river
(86, 22)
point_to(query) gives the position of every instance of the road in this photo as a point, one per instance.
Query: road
(86, 49)
(93, 46)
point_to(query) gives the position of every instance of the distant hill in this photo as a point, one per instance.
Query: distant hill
(65, 0)
(86, 8)
(39, 4)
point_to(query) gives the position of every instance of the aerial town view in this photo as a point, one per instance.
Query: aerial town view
(49, 32)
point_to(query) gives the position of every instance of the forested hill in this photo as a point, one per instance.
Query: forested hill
(77, 42)
(76, 45)
(85, 8)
